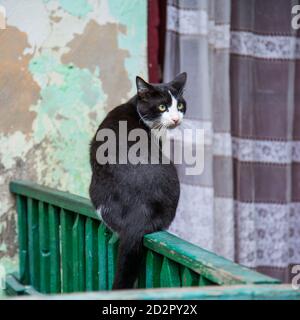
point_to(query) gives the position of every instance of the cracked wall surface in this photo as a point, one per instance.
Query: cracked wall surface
(63, 65)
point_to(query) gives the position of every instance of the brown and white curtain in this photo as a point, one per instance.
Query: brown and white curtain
(242, 59)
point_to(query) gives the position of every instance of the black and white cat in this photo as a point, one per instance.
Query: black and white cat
(136, 199)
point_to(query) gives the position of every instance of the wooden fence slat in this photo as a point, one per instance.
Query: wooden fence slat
(153, 269)
(66, 219)
(55, 273)
(44, 247)
(91, 254)
(112, 252)
(103, 237)
(21, 205)
(188, 277)
(78, 254)
(169, 276)
(33, 243)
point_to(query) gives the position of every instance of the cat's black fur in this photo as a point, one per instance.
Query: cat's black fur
(136, 199)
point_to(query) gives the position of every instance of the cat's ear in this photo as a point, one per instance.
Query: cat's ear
(143, 87)
(179, 82)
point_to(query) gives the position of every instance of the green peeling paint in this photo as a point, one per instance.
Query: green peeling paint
(54, 149)
(79, 8)
(57, 121)
(133, 15)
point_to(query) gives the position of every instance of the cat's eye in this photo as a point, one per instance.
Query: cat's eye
(180, 106)
(162, 108)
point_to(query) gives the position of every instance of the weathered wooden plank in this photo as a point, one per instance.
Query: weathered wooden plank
(66, 221)
(213, 267)
(188, 277)
(33, 243)
(21, 204)
(169, 275)
(55, 274)
(234, 292)
(103, 237)
(153, 269)
(15, 287)
(54, 197)
(112, 252)
(91, 254)
(78, 254)
(44, 247)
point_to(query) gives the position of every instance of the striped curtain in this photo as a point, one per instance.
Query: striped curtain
(242, 59)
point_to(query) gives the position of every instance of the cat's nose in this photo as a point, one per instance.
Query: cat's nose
(175, 119)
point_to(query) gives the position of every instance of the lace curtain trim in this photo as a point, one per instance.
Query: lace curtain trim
(264, 46)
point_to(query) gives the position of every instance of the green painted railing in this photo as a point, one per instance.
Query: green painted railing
(64, 248)
(234, 292)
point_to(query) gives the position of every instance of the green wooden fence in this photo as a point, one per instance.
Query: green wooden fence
(64, 248)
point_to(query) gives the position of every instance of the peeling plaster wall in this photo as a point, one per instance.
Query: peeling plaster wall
(63, 65)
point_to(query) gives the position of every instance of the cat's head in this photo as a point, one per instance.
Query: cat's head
(161, 105)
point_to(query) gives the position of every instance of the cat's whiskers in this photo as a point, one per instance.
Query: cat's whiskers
(144, 118)
(159, 131)
(156, 126)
